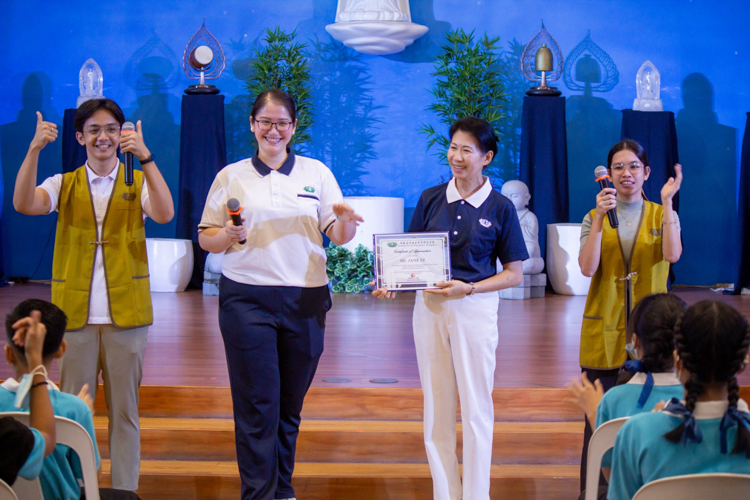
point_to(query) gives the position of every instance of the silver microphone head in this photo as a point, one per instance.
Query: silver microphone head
(128, 127)
(233, 204)
(600, 171)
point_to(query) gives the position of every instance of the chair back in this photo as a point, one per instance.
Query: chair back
(719, 485)
(71, 434)
(6, 492)
(602, 440)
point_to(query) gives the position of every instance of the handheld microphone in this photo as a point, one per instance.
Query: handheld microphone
(602, 177)
(129, 128)
(234, 209)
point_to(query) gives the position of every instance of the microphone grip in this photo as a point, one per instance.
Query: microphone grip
(128, 169)
(612, 216)
(611, 213)
(237, 221)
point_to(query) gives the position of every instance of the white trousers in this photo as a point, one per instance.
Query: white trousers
(118, 354)
(455, 341)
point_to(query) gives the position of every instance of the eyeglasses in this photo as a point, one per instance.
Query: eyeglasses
(634, 167)
(266, 125)
(110, 130)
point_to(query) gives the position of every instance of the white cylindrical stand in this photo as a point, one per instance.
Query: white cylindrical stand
(170, 264)
(563, 245)
(382, 216)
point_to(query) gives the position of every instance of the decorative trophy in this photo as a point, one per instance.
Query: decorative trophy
(203, 58)
(545, 50)
(90, 82)
(648, 85)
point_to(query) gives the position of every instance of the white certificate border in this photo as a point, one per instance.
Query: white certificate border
(379, 239)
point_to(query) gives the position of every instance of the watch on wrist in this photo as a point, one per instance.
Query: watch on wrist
(473, 288)
(147, 160)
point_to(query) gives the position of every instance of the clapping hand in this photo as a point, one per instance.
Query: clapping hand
(586, 396)
(672, 186)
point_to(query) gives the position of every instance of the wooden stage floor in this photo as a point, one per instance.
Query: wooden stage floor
(366, 339)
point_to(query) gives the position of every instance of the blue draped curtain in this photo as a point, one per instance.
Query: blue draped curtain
(203, 152)
(544, 161)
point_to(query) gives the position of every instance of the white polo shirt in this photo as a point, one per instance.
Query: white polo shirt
(101, 190)
(286, 210)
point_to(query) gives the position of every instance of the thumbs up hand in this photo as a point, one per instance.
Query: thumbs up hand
(46, 132)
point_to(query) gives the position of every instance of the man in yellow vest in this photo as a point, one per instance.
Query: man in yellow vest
(100, 269)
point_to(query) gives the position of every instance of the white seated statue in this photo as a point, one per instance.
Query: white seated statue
(371, 10)
(518, 193)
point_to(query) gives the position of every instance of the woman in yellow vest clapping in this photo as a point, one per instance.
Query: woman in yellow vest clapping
(625, 263)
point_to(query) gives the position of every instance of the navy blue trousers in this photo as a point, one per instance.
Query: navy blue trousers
(273, 338)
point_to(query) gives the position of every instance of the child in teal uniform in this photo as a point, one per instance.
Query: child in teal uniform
(651, 329)
(61, 470)
(707, 432)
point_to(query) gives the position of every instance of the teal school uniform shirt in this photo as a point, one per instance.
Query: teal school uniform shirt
(622, 400)
(61, 469)
(33, 465)
(642, 454)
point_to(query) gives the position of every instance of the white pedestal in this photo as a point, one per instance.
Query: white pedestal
(532, 287)
(382, 216)
(563, 245)
(170, 264)
(212, 273)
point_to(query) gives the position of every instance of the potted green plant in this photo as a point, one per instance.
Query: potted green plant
(284, 64)
(468, 84)
(349, 272)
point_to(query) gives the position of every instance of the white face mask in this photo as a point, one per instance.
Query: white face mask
(24, 387)
(631, 350)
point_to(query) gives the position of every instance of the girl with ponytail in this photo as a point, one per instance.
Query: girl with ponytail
(707, 432)
(651, 379)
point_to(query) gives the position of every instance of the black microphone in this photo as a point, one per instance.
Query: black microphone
(602, 177)
(234, 209)
(128, 127)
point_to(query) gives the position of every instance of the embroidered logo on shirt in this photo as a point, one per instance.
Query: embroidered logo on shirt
(128, 196)
(309, 189)
(485, 222)
(656, 232)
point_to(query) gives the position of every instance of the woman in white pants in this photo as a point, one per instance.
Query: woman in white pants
(455, 325)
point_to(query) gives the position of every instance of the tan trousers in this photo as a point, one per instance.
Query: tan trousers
(118, 354)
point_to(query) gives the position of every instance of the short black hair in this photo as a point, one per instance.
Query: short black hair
(277, 96)
(91, 106)
(628, 145)
(53, 318)
(480, 129)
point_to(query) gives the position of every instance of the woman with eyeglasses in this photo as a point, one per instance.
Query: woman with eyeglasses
(273, 292)
(625, 263)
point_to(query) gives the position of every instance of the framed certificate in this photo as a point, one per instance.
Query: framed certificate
(411, 261)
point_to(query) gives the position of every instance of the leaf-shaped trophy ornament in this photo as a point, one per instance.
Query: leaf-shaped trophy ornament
(589, 60)
(90, 82)
(153, 67)
(203, 58)
(538, 63)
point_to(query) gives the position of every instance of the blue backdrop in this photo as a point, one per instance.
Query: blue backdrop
(368, 108)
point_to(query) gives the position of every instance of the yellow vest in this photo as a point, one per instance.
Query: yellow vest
(605, 316)
(124, 250)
